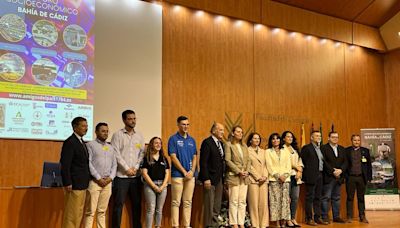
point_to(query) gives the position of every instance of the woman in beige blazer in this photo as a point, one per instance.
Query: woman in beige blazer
(290, 144)
(237, 177)
(279, 168)
(258, 187)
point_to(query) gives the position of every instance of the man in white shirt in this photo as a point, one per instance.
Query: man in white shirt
(129, 150)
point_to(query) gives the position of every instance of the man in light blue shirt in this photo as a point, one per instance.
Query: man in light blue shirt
(103, 168)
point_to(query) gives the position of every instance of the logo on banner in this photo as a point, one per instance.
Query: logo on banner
(37, 115)
(50, 105)
(36, 131)
(18, 119)
(51, 114)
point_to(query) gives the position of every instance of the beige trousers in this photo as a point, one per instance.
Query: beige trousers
(97, 201)
(258, 205)
(181, 190)
(237, 203)
(73, 210)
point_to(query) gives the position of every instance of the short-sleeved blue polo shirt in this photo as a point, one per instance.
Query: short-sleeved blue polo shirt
(184, 148)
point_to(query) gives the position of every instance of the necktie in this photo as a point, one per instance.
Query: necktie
(221, 151)
(84, 147)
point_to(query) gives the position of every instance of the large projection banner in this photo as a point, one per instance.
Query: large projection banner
(46, 67)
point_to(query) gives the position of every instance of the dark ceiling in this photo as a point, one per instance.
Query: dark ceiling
(368, 12)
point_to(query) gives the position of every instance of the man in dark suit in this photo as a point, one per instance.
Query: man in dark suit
(312, 158)
(75, 173)
(211, 174)
(358, 175)
(335, 164)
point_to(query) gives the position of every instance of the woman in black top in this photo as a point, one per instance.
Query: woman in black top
(155, 171)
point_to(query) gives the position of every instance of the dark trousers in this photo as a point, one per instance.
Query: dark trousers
(294, 196)
(331, 192)
(355, 183)
(212, 204)
(313, 198)
(121, 188)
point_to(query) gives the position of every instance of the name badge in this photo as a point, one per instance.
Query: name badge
(363, 159)
(138, 145)
(105, 148)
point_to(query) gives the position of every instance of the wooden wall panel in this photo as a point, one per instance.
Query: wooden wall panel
(365, 86)
(22, 160)
(295, 18)
(301, 81)
(206, 69)
(244, 9)
(292, 18)
(366, 36)
(42, 208)
(392, 76)
(344, 9)
(379, 12)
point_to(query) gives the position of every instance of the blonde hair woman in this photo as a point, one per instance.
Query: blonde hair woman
(237, 178)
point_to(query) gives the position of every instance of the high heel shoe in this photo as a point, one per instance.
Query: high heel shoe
(295, 223)
(289, 224)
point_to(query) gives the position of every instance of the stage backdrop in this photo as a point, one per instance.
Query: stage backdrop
(382, 191)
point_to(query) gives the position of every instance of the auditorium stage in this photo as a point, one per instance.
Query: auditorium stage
(43, 208)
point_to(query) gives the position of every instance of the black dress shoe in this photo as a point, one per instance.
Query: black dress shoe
(311, 223)
(363, 219)
(321, 222)
(339, 220)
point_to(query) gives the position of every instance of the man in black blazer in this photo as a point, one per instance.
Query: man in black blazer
(75, 173)
(211, 174)
(358, 174)
(335, 165)
(312, 158)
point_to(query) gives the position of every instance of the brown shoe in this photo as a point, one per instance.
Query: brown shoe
(321, 222)
(339, 220)
(349, 220)
(363, 219)
(311, 223)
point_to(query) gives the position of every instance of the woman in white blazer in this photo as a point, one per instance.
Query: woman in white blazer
(279, 168)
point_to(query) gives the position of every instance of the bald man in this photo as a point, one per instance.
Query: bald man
(212, 165)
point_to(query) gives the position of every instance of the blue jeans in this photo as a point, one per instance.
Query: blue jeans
(154, 203)
(331, 192)
(294, 196)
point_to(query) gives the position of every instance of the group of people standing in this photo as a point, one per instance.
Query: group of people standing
(93, 171)
(265, 181)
